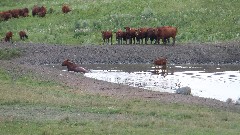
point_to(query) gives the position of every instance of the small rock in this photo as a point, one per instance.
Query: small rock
(184, 90)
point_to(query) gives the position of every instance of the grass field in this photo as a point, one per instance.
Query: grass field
(197, 21)
(31, 105)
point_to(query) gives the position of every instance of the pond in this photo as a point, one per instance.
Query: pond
(211, 81)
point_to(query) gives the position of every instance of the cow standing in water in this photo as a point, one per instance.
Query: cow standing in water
(161, 64)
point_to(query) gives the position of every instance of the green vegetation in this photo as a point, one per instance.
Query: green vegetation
(30, 105)
(197, 21)
(7, 54)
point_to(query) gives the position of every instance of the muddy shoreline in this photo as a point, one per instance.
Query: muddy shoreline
(35, 57)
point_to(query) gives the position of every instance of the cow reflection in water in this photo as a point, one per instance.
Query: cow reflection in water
(160, 66)
(74, 67)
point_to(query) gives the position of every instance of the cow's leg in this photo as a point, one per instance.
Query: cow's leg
(173, 40)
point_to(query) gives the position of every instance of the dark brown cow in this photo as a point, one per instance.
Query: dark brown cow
(141, 34)
(40, 11)
(14, 13)
(23, 35)
(106, 35)
(74, 67)
(24, 12)
(151, 34)
(130, 34)
(35, 10)
(8, 36)
(65, 9)
(120, 36)
(165, 33)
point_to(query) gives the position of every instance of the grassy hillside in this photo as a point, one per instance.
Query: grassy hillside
(30, 105)
(197, 21)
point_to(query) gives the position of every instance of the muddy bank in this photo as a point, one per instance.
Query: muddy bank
(35, 57)
(219, 53)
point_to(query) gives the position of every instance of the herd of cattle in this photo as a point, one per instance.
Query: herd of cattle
(24, 12)
(137, 35)
(129, 35)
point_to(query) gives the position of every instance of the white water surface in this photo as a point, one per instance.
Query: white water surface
(211, 81)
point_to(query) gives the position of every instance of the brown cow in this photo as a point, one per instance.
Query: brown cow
(23, 35)
(106, 35)
(65, 9)
(8, 36)
(130, 34)
(5, 16)
(120, 36)
(74, 67)
(40, 11)
(24, 12)
(14, 13)
(35, 10)
(161, 63)
(141, 34)
(151, 34)
(165, 33)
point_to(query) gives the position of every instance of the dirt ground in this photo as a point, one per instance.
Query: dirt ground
(35, 57)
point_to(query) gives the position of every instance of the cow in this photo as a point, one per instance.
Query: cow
(40, 11)
(130, 34)
(166, 32)
(35, 10)
(8, 36)
(151, 34)
(65, 9)
(141, 34)
(23, 12)
(14, 13)
(74, 67)
(106, 35)
(120, 36)
(161, 63)
(5, 15)
(23, 35)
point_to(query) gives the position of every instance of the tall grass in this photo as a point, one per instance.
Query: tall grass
(197, 21)
(37, 106)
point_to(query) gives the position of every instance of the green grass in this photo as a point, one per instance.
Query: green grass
(197, 21)
(7, 54)
(30, 105)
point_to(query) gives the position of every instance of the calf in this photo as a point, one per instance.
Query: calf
(106, 35)
(23, 35)
(165, 33)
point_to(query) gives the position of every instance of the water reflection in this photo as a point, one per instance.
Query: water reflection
(213, 81)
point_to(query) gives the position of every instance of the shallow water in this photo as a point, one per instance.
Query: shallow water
(211, 81)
